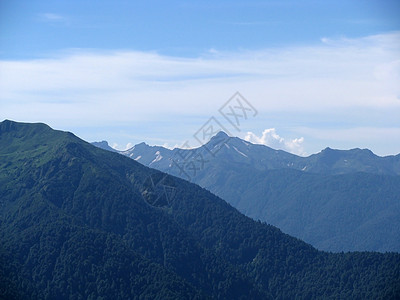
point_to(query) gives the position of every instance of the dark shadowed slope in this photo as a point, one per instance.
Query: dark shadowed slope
(336, 200)
(80, 222)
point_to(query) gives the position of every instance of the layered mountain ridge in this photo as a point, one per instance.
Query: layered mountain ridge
(328, 161)
(79, 222)
(337, 200)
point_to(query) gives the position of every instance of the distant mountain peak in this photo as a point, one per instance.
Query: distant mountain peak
(217, 140)
(221, 134)
(140, 146)
(104, 145)
(329, 150)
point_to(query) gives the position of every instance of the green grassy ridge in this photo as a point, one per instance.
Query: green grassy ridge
(71, 214)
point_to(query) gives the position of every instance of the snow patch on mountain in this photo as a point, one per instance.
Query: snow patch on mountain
(240, 152)
(158, 157)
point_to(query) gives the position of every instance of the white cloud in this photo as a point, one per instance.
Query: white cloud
(90, 88)
(271, 139)
(128, 146)
(342, 73)
(122, 148)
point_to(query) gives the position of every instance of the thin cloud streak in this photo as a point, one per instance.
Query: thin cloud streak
(53, 18)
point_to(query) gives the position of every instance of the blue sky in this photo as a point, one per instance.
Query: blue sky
(185, 28)
(319, 73)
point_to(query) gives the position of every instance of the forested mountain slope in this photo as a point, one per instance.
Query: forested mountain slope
(81, 222)
(336, 200)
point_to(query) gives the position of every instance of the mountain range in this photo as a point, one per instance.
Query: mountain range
(79, 222)
(337, 200)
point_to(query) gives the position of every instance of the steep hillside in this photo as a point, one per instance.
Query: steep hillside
(336, 200)
(81, 222)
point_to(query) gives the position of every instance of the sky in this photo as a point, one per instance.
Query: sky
(293, 75)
